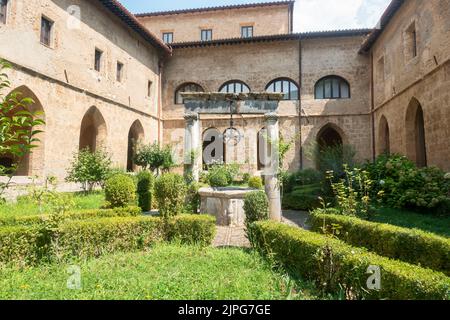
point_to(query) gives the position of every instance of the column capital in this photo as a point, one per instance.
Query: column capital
(191, 117)
(271, 116)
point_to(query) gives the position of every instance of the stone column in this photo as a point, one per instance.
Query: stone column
(192, 145)
(270, 172)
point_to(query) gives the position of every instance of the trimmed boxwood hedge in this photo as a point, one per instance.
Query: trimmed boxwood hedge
(409, 245)
(75, 215)
(335, 265)
(25, 245)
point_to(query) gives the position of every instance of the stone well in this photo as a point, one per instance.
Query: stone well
(226, 204)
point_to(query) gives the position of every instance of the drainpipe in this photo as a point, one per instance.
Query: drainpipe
(372, 101)
(300, 84)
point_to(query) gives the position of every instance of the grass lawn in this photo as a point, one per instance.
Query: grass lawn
(25, 207)
(436, 224)
(166, 272)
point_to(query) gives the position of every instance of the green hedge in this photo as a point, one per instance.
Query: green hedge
(409, 245)
(303, 198)
(336, 266)
(192, 229)
(75, 215)
(24, 245)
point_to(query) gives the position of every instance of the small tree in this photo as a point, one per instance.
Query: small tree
(154, 157)
(170, 192)
(256, 208)
(17, 136)
(89, 168)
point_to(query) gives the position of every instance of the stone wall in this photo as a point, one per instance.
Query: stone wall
(224, 23)
(62, 80)
(401, 79)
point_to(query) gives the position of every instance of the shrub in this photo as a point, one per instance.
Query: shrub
(120, 191)
(405, 186)
(154, 157)
(409, 245)
(255, 183)
(76, 215)
(145, 190)
(21, 245)
(301, 178)
(192, 229)
(222, 175)
(336, 266)
(303, 198)
(89, 168)
(246, 177)
(193, 198)
(256, 208)
(170, 192)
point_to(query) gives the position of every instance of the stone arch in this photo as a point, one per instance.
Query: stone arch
(330, 140)
(93, 132)
(213, 148)
(33, 163)
(415, 133)
(384, 141)
(135, 136)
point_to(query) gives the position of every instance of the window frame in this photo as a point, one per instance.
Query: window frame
(4, 18)
(98, 59)
(164, 34)
(235, 82)
(332, 96)
(149, 88)
(245, 31)
(208, 32)
(183, 86)
(289, 93)
(120, 71)
(51, 23)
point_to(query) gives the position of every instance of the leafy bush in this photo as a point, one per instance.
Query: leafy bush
(354, 192)
(409, 245)
(192, 229)
(256, 208)
(255, 183)
(303, 198)
(405, 186)
(120, 191)
(221, 175)
(145, 190)
(170, 192)
(336, 266)
(301, 178)
(154, 157)
(193, 198)
(89, 168)
(75, 215)
(246, 177)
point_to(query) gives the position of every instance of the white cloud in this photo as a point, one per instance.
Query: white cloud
(316, 15)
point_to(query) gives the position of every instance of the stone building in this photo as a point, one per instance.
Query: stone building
(106, 78)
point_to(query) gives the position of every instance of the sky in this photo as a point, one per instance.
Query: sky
(310, 15)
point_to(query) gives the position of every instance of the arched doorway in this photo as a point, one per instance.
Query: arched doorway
(330, 149)
(213, 150)
(415, 134)
(33, 163)
(384, 143)
(93, 130)
(135, 135)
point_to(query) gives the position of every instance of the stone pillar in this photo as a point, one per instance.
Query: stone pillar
(270, 172)
(192, 145)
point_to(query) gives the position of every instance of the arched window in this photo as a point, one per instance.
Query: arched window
(234, 86)
(332, 87)
(186, 87)
(286, 86)
(415, 134)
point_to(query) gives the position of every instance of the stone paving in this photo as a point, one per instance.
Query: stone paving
(235, 236)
